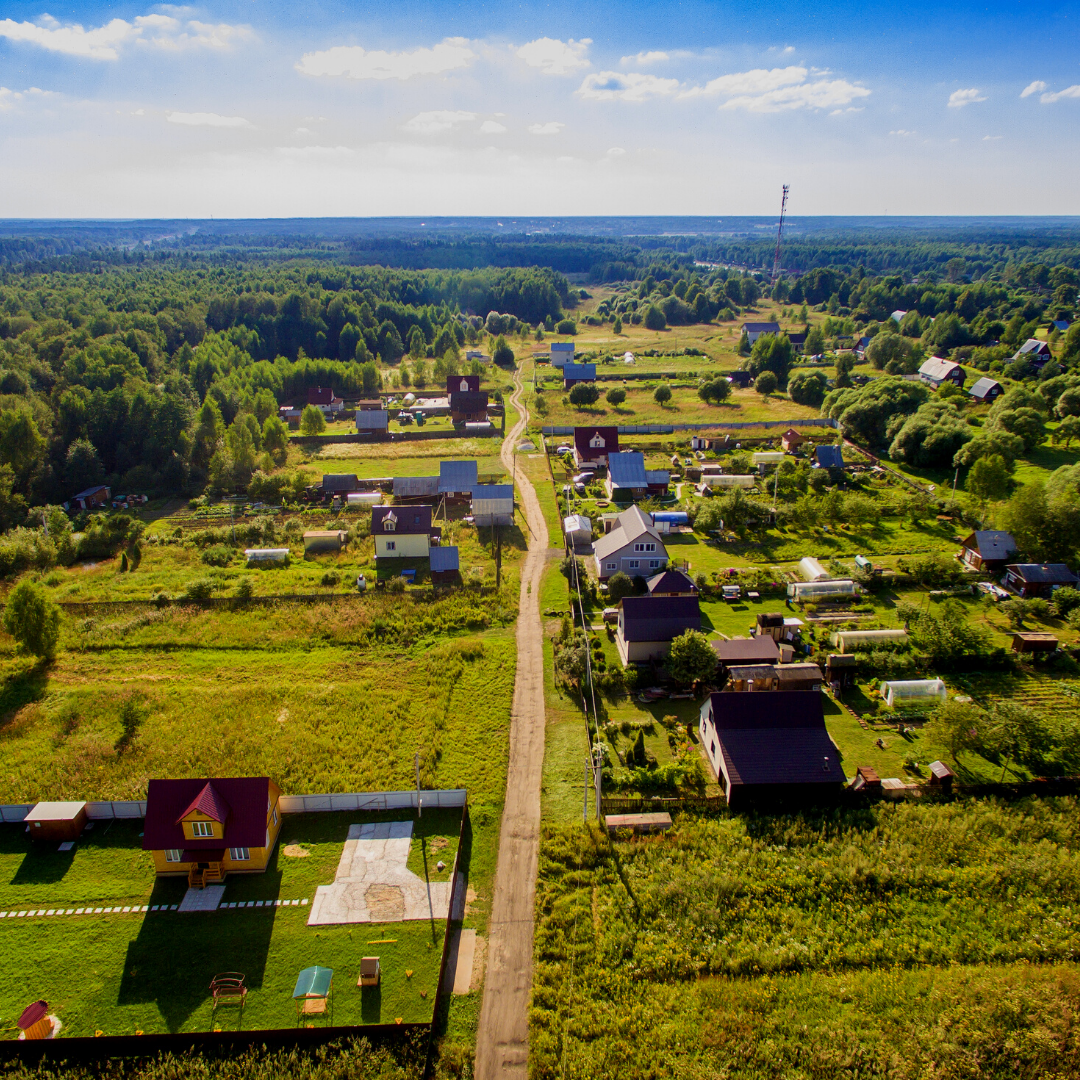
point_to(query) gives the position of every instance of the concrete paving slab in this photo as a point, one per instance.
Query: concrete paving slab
(205, 899)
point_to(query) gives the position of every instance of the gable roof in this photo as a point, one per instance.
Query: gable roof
(657, 477)
(829, 456)
(755, 650)
(1061, 324)
(320, 395)
(898, 315)
(1033, 345)
(562, 346)
(585, 437)
(416, 486)
(797, 338)
(627, 469)
(582, 372)
(991, 543)
(793, 436)
(632, 524)
(372, 420)
(938, 368)
(443, 559)
(340, 482)
(244, 802)
(761, 327)
(796, 673)
(468, 400)
(670, 581)
(208, 803)
(981, 387)
(659, 618)
(493, 492)
(1043, 573)
(457, 476)
(407, 520)
(462, 383)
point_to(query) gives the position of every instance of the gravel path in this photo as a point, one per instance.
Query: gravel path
(502, 1041)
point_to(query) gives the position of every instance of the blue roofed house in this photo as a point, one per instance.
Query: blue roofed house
(457, 478)
(626, 478)
(1060, 325)
(575, 373)
(444, 566)
(657, 481)
(493, 504)
(829, 456)
(562, 353)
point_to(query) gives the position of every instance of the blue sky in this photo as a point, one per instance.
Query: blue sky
(246, 109)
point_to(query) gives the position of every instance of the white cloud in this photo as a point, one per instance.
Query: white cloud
(643, 58)
(779, 89)
(615, 152)
(902, 132)
(614, 86)
(355, 62)
(552, 127)
(1068, 92)
(492, 127)
(105, 42)
(433, 123)
(8, 97)
(206, 119)
(748, 83)
(555, 57)
(991, 138)
(959, 98)
(1033, 88)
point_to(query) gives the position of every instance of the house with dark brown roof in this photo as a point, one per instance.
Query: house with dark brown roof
(325, 398)
(649, 624)
(764, 747)
(462, 384)
(987, 549)
(592, 445)
(204, 829)
(739, 651)
(403, 532)
(468, 406)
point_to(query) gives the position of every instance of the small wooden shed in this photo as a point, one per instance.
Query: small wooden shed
(56, 822)
(840, 668)
(644, 823)
(866, 780)
(941, 776)
(1026, 641)
(319, 541)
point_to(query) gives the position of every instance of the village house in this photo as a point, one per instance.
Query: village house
(578, 373)
(1034, 352)
(339, 483)
(754, 330)
(469, 406)
(764, 747)
(829, 456)
(1060, 325)
(649, 624)
(593, 445)
(1035, 579)
(403, 532)
(457, 479)
(738, 652)
(444, 566)
(373, 422)
(986, 389)
(626, 478)
(205, 829)
(798, 341)
(937, 370)
(987, 549)
(325, 398)
(740, 378)
(493, 504)
(290, 415)
(88, 498)
(562, 353)
(633, 546)
(791, 440)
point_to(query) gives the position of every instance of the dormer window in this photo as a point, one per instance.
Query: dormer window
(597, 442)
(464, 386)
(390, 523)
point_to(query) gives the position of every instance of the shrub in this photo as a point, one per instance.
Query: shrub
(245, 590)
(566, 326)
(32, 619)
(584, 394)
(199, 589)
(396, 585)
(220, 555)
(331, 578)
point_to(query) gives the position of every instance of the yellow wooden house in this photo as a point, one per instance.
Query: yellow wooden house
(205, 829)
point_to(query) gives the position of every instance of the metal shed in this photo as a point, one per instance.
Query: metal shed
(493, 504)
(416, 487)
(577, 529)
(320, 540)
(56, 821)
(444, 565)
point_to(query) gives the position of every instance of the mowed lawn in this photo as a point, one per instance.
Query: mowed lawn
(150, 971)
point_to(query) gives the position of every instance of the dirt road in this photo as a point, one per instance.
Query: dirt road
(502, 1042)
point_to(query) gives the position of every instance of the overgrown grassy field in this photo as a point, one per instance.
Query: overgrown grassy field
(892, 940)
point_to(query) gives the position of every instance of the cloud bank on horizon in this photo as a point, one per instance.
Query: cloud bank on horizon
(180, 111)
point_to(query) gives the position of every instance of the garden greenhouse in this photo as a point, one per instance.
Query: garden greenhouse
(728, 480)
(822, 590)
(812, 570)
(913, 692)
(850, 640)
(255, 555)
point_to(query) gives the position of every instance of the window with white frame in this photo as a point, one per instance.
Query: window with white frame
(239, 854)
(613, 566)
(273, 817)
(172, 854)
(267, 842)
(654, 564)
(632, 564)
(391, 546)
(202, 828)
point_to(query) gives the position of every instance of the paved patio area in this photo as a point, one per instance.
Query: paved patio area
(372, 883)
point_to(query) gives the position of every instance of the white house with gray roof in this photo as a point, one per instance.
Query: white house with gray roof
(633, 546)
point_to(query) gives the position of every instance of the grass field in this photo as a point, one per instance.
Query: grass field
(149, 971)
(874, 942)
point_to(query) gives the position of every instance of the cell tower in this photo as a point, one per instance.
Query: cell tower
(779, 237)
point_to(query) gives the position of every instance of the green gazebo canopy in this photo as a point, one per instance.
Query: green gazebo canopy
(313, 982)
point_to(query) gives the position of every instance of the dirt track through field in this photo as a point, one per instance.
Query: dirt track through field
(502, 1041)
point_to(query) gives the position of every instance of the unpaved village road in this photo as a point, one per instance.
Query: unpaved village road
(502, 1041)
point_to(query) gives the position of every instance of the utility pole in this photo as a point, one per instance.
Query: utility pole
(779, 237)
(498, 557)
(598, 766)
(416, 766)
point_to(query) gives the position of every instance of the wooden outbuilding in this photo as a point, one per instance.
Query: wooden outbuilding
(866, 780)
(941, 776)
(643, 823)
(1026, 641)
(840, 669)
(56, 822)
(369, 971)
(791, 439)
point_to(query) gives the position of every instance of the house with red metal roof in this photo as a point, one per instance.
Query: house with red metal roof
(204, 829)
